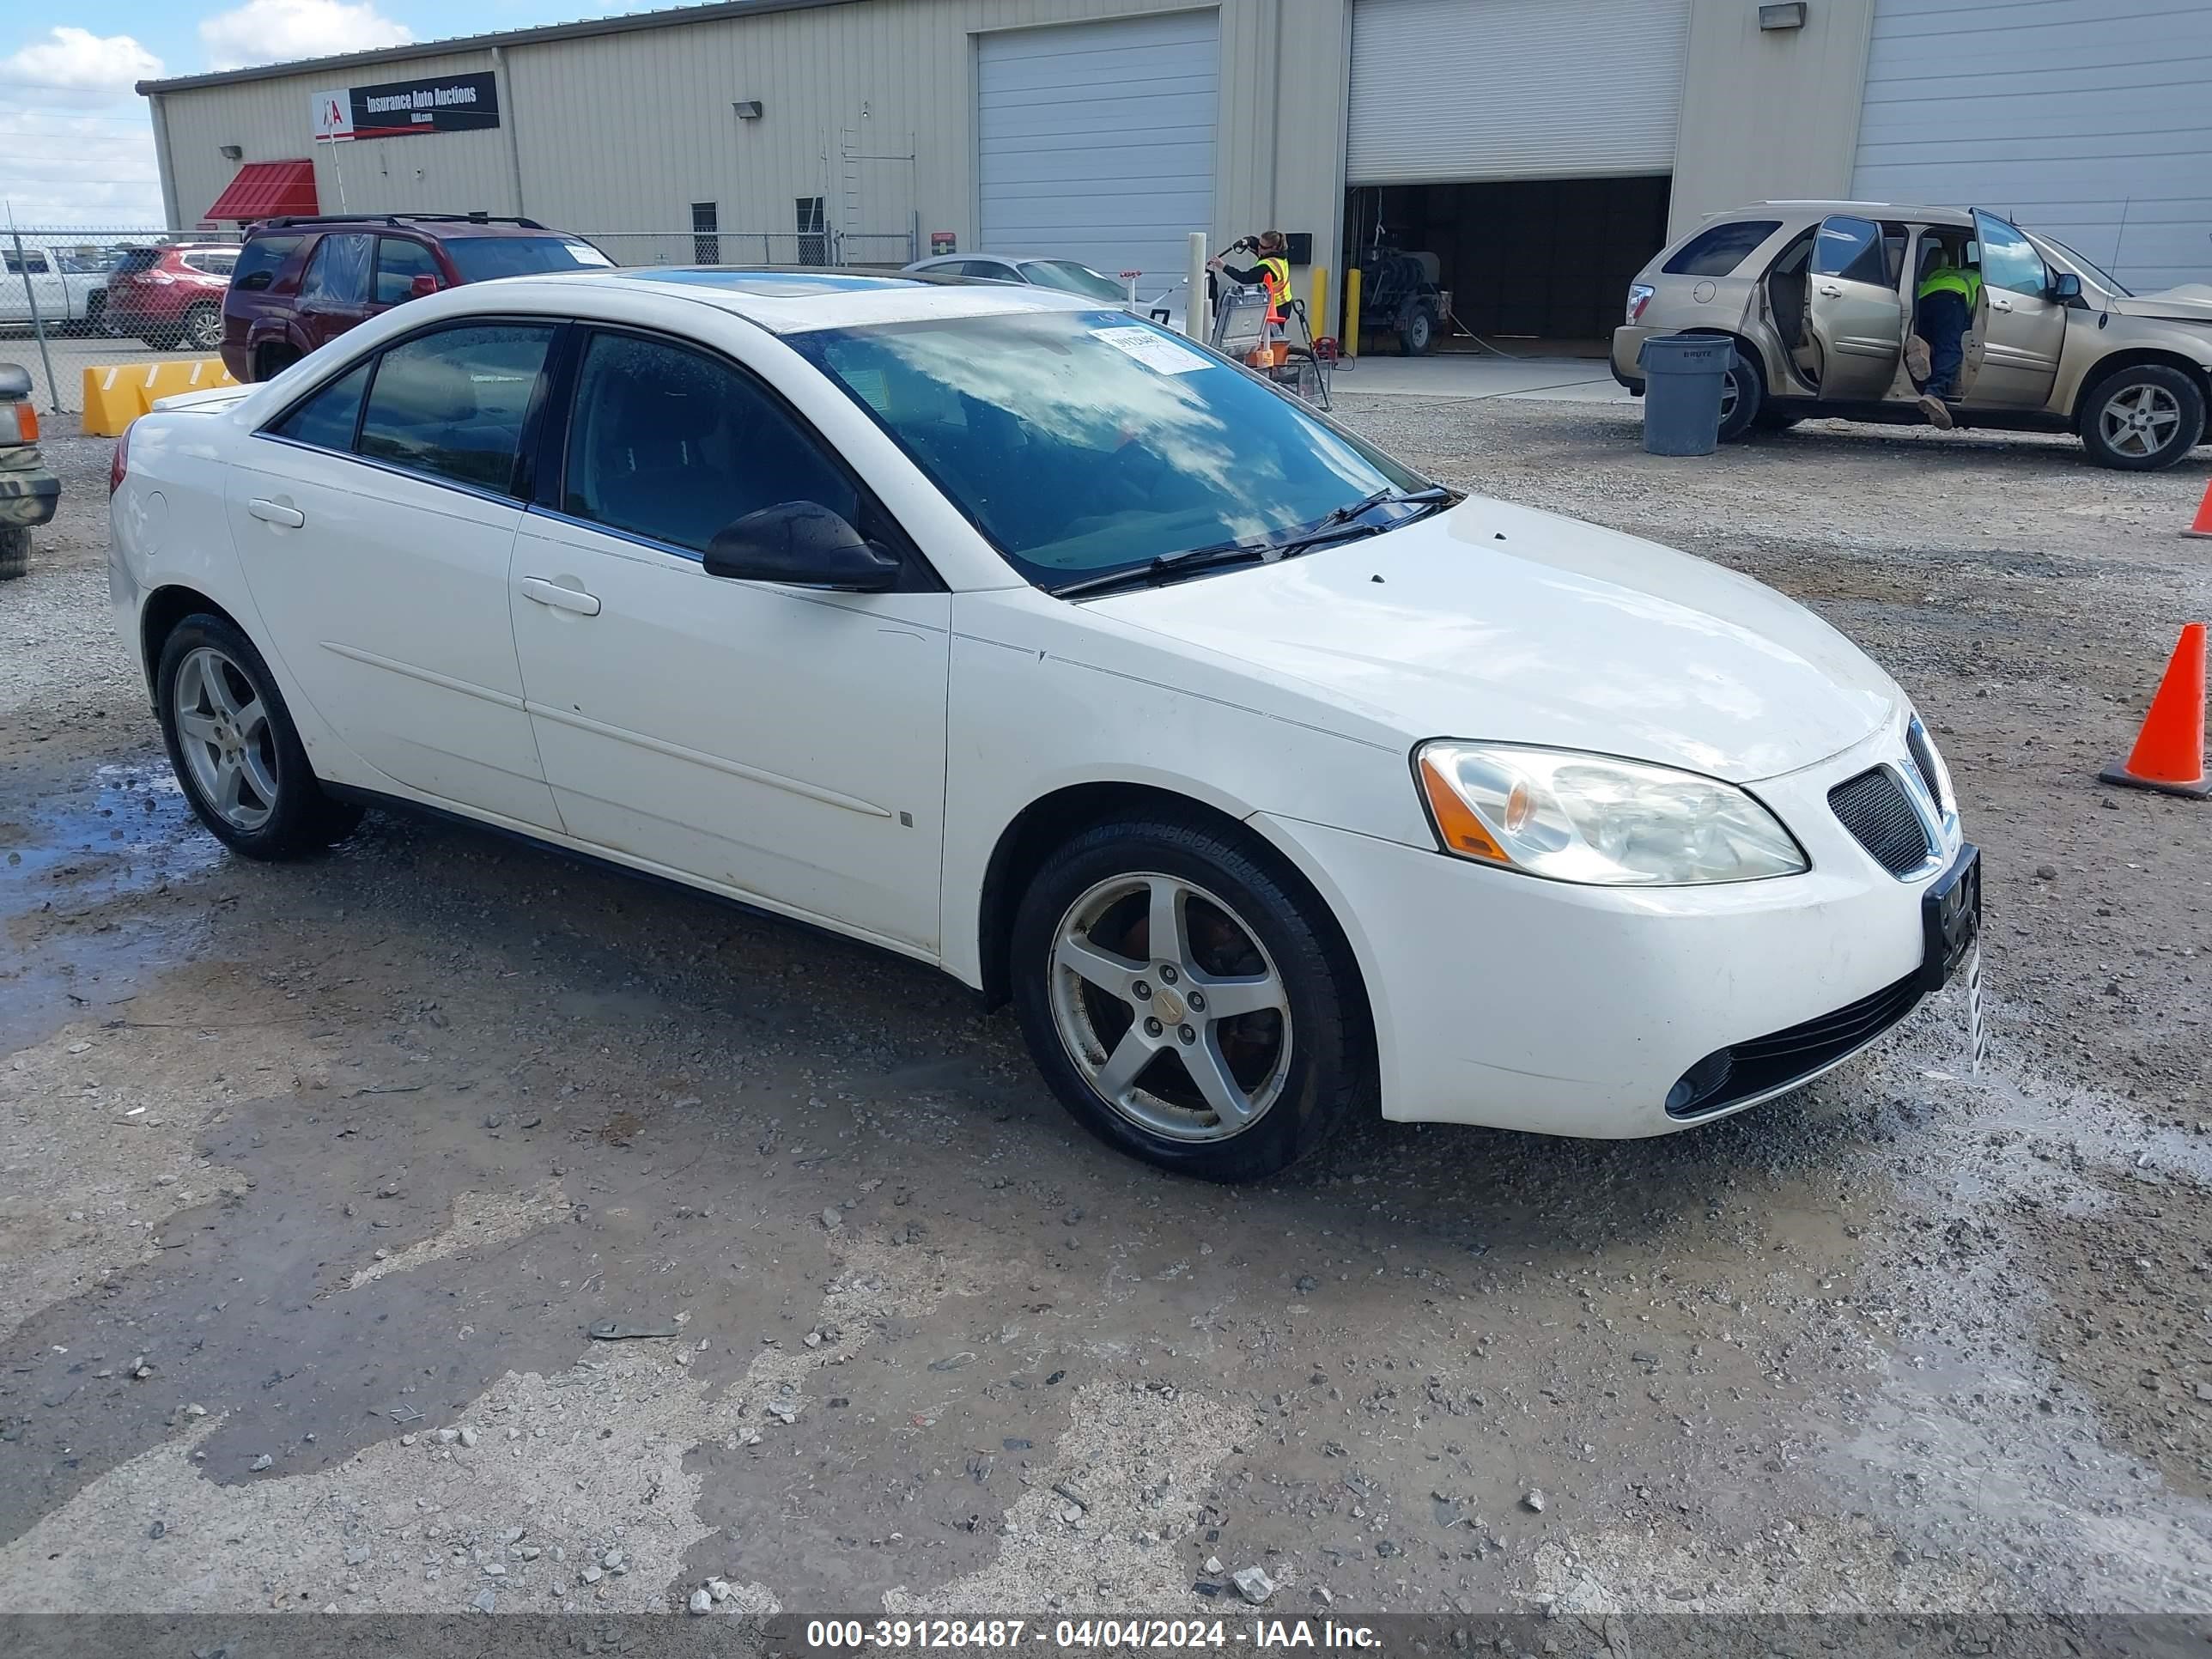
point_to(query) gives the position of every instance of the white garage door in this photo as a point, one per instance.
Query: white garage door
(1096, 140)
(2090, 120)
(1445, 90)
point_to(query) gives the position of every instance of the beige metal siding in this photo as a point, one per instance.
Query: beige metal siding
(1768, 114)
(270, 121)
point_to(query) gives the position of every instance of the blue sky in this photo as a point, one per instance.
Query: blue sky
(76, 147)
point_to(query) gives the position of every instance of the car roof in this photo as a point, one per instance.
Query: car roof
(786, 301)
(1813, 208)
(429, 224)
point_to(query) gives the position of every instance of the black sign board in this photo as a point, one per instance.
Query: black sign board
(438, 103)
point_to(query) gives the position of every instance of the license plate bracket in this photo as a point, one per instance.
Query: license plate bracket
(1951, 918)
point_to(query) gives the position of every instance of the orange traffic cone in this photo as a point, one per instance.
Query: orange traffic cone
(2169, 754)
(2202, 526)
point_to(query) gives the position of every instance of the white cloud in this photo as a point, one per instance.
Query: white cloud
(76, 66)
(280, 31)
(81, 147)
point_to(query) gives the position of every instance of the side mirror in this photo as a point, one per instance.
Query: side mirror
(802, 543)
(422, 286)
(2065, 287)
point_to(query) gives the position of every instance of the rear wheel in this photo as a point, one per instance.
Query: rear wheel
(201, 328)
(1743, 396)
(1185, 1004)
(273, 359)
(234, 749)
(1416, 329)
(2143, 418)
(15, 551)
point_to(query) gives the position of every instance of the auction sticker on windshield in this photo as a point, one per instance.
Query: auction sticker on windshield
(1154, 349)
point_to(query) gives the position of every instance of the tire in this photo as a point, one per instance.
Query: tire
(1300, 1065)
(2142, 419)
(1415, 331)
(1741, 399)
(15, 552)
(201, 328)
(209, 674)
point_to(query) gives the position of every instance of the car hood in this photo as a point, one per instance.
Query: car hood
(1500, 621)
(2191, 302)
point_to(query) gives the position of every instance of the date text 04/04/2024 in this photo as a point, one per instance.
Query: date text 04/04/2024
(1168, 1633)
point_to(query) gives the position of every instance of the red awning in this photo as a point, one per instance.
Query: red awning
(263, 190)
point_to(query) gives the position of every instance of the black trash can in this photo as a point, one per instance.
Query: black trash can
(1684, 376)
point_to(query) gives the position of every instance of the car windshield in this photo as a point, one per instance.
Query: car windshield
(1083, 441)
(2088, 268)
(1070, 277)
(481, 258)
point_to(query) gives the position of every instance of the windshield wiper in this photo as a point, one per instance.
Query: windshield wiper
(1167, 565)
(1336, 525)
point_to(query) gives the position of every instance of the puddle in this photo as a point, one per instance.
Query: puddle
(121, 830)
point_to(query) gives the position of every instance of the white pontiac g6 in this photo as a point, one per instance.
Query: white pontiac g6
(1271, 782)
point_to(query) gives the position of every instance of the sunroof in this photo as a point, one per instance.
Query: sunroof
(773, 284)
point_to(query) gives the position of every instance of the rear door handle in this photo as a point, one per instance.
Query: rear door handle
(1831, 293)
(270, 511)
(560, 598)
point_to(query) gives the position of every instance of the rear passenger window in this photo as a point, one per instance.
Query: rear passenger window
(327, 419)
(1717, 250)
(259, 261)
(1850, 250)
(337, 271)
(452, 404)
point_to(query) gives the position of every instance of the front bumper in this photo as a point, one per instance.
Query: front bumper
(1518, 1003)
(29, 494)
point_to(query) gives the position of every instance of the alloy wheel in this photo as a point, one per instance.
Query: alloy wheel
(2140, 421)
(1170, 1007)
(204, 329)
(227, 743)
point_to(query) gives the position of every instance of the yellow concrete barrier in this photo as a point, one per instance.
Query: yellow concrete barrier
(116, 394)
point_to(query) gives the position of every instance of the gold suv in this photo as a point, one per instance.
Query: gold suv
(1819, 299)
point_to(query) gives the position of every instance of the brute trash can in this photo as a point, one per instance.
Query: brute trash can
(1683, 378)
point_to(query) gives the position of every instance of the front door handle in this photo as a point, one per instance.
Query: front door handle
(270, 511)
(560, 598)
(1831, 293)
(2001, 304)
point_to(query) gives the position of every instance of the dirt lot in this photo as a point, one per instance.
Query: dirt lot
(312, 1178)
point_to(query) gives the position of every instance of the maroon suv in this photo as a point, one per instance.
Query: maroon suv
(301, 283)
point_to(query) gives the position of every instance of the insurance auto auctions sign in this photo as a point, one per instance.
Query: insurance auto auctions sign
(438, 103)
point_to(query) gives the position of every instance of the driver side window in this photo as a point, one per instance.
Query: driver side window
(2009, 260)
(673, 445)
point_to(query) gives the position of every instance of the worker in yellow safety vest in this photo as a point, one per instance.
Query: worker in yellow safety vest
(1944, 310)
(1272, 272)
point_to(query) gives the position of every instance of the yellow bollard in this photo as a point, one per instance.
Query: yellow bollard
(1351, 336)
(1319, 314)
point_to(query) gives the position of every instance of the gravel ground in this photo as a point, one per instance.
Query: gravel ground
(312, 1179)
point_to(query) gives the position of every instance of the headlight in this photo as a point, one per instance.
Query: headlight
(1595, 819)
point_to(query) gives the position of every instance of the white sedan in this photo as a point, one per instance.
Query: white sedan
(1272, 783)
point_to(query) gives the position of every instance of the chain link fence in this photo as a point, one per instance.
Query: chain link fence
(54, 289)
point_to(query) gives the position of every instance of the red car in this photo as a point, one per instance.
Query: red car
(301, 283)
(171, 297)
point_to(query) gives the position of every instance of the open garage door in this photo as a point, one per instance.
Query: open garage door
(1476, 89)
(2083, 118)
(1095, 141)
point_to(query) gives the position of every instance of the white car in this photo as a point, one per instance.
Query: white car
(1272, 783)
(1162, 305)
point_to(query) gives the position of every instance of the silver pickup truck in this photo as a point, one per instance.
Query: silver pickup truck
(68, 290)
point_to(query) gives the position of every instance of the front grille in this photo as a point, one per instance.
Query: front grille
(1924, 759)
(1874, 808)
(1729, 1075)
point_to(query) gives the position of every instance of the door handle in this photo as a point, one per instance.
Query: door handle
(1831, 293)
(2001, 304)
(270, 511)
(560, 598)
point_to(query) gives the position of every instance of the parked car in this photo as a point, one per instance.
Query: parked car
(1818, 297)
(301, 283)
(28, 493)
(1019, 636)
(171, 297)
(1163, 304)
(66, 296)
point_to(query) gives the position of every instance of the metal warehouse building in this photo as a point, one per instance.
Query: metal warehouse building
(1542, 149)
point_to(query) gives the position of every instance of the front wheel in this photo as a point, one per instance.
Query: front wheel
(1185, 1004)
(234, 749)
(15, 552)
(2141, 419)
(1415, 331)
